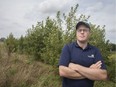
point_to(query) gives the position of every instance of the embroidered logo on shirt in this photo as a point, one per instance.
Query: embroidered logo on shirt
(91, 56)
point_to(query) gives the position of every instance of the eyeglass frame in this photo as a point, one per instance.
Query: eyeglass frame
(84, 30)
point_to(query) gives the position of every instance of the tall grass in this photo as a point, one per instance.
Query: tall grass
(20, 71)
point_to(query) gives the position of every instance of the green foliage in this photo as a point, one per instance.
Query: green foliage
(20, 46)
(2, 39)
(50, 53)
(98, 39)
(11, 44)
(111, 67)
(113, 47)
(104, 84)
(32, 43)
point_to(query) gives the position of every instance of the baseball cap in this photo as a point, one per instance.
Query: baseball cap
(82, 23)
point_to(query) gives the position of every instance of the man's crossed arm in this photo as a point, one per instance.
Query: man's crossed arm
(76, 71)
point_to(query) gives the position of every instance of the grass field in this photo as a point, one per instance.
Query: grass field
(21, 71)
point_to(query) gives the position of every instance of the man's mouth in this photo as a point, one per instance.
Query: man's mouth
(82, 36)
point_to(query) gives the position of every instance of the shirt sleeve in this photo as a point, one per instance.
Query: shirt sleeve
(65, 56)
(98, 57)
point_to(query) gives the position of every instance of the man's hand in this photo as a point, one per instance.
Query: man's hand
(96, 65)
(69, 73)
(93, 72)
(93, 66)
(72, 66)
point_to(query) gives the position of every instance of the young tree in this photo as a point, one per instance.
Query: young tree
(11, 44)
(53, 43)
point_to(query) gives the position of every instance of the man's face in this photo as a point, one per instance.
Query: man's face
(82, 33)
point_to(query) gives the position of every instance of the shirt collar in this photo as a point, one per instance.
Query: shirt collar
(88, 45)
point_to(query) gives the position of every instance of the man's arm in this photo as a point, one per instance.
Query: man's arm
(90, 73)
(72, 74)
(69, 73)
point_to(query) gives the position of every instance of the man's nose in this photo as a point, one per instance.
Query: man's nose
(82, 31)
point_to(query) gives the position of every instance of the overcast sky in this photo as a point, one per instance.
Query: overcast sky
(17, 16)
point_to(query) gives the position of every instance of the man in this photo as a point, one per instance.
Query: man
(81, 63)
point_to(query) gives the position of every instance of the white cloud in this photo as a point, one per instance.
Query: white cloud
(52, 6)
(95, 7)
(49, 8)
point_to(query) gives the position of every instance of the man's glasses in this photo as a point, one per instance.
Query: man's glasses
(84, 30)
